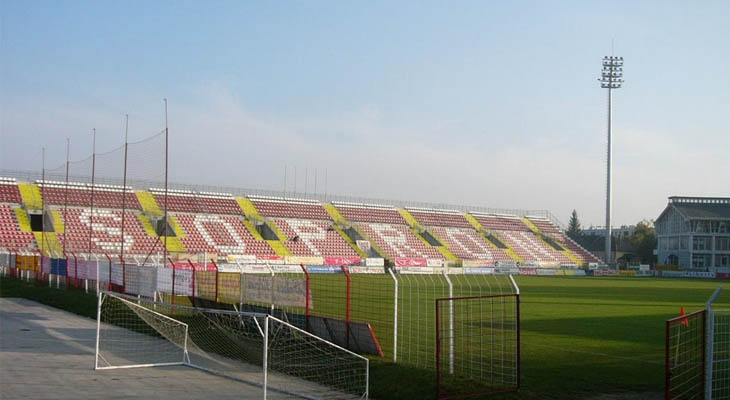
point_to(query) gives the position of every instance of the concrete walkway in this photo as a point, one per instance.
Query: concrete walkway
(46, 353)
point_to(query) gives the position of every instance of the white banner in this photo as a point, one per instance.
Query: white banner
(434, 262)
(365, 270)
(375, 262)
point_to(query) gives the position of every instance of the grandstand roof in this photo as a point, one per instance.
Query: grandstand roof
(702, 207)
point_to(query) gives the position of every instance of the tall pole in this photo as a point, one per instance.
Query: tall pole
(65, 195)
(43, 203)
(165, 211)
(93, 173)
(124, 188)
(611, 78)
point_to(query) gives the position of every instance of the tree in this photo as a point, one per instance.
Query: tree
(644, 241)
(574, 229)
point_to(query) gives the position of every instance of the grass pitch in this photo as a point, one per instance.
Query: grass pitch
(581, 336)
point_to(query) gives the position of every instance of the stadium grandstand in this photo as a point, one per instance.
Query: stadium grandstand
(116, 220)
(694, 232)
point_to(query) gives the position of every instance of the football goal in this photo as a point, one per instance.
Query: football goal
(253, 348)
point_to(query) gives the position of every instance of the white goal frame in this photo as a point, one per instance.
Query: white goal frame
(185, 359)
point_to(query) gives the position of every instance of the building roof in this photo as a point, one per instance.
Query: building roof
(702, 207)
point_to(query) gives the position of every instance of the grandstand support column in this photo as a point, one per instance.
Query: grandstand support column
(43, 201)
(93, 172)
(165, 211)
(611, 78)
(124, 188)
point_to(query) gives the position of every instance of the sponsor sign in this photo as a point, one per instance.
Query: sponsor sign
(420, 270)
(434, 262)
(306, 260)
(476, 263)
(364, 245)
(699, 274)
(627, 273)
(285, 291)
(289, 269)
(605, 272)
(255, 269)
(528, 271)
(546, 272)
(478, 271)
(366, 270)
(552, 265)
(318, 269)
(579, 272)
(271, 259)
(229, 287)
(229, 268)
(722, 275)
(243, 259)
(375, 262)
(341, 260)
(592, 266)
(410, 262)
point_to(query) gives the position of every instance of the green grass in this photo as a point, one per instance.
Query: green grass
(581, 336)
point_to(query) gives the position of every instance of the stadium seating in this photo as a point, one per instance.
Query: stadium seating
(80, 194)
(219, 234)
(314, 238)
(9, 192)
(197, 202)
(357, 212)
(397, 240)
(521, 239)
(11, 237)
(433, 217)
(107, 231)
(467, 244)
(289, 208)
(551, 230)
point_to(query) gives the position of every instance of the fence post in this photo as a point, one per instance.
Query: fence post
(124, 274)
(172, 299)
(306, 294)
(216, 278)
(710, 342)
(272, 287)
(451, 323)
(109, 285)
(347, 307)
(193, 267)
(395, 317)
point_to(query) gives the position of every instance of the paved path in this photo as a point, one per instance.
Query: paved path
(46, 353)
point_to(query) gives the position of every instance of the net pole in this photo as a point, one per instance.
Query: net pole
(65, 195)
(93, 172)
(347, 307)
(98, 329)
(124, 196)
(710, 342)
(43, 204)
(165, 211)
(395, 316)
(451, 323)
(266, 355)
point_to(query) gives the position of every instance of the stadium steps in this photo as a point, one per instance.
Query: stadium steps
(349, 240)
(31, 196)
(445, 251)
(173, 242)
(179, 232)
(335, 214)
(541, 235)
(249, 210)
(50, 244)
(149, 204)
(58, 224)
(252, 229)
(482, 231)
(340, 221)
(279, 248)
(23, 220)
(412, 222)
(373, 245)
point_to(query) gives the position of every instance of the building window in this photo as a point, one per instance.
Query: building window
(722, 243)
(684, 242)
(701, 260)
(702, 243)
(722, 260)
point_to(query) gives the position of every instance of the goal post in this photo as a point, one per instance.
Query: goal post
(477, 345)
(253, 348)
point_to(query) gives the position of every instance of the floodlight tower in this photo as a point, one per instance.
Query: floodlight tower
(611, 78)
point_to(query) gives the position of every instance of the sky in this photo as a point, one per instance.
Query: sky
(494, 104)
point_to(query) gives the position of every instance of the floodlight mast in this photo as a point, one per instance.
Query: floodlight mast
(611, 78)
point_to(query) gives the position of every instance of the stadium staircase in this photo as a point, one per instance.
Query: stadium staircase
(253, 216)
(340, 224)
(486, 235)
(50, 245)
(554, 244)
(31, 196)
(149, 205)
(173, 242)
(419, 230)
(23, 220)
(58, 225)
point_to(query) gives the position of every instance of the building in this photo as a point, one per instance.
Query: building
(623, 231)
(694, 232)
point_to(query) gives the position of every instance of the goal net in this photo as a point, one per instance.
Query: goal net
(254, 348)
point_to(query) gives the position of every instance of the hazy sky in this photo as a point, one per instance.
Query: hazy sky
(485, 103)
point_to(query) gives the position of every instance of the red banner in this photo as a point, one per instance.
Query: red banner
(341, 260)
(528, 271)
(410, 262)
